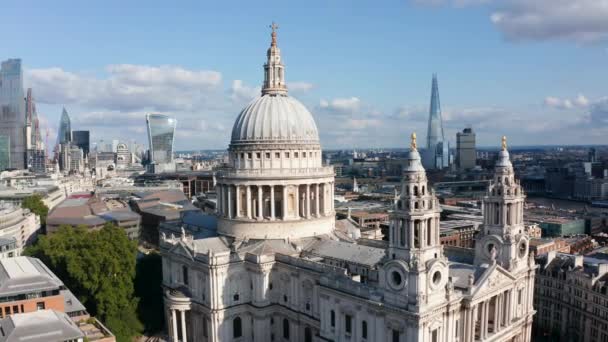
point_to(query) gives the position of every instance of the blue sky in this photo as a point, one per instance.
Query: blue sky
(534, 70)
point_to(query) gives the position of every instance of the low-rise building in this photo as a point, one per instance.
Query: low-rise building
(546, 245)
(459, 233)
(18, 228)
(40, 326)
(571, 298)
(93, 212)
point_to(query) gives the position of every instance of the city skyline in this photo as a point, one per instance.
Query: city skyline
(537, 89)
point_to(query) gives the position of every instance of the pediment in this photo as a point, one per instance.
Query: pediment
(494, 277)
(182, 250)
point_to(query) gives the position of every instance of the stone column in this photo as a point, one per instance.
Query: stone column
(317, 200)
(174, 325)
(307, 203)
(184, 336)
(249, 216)
(297, 196)
(272, 202)
(284, 202)
(260, 202)
(237, 195)
(218, 204)
(484, 320)
(496, 313)
(229, 200)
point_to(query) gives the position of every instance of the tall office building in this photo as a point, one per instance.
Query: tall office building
(65, 128)
(466, 155)
(12, 108)
(436, 155)
(82, 140)
(161, 130)
(35, 154)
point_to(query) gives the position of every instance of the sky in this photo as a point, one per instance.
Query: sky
(533, 70)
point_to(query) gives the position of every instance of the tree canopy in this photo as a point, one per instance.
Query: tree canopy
(99, 268)
(35, 204)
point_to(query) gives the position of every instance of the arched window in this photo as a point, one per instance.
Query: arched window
(364, 329)
(286, 328)
(307, 335)
(402, 231)
(416, 205)
(509, 214)
(496, 214)
(332, 318)
(415, 190)
(423, 190)
(429, 232)
(237, 329)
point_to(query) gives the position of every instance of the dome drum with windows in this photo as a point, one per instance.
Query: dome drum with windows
(276, 186)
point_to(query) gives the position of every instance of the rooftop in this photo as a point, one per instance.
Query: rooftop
(25, 274)
(39, 326)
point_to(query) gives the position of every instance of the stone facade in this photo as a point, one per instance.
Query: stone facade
(275, 269)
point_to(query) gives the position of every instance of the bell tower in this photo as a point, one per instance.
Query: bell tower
(503, 238)
(417, 268)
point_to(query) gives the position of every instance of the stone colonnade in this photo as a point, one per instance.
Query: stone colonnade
(275, 202)
(492, 315)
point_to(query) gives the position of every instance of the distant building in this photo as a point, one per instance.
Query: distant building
(38, 326)
(436, 155)
(82, 140)
(123, 156)
(161, 130)
(12, 111)
(557, 226)
(466, 155)
(544, 246)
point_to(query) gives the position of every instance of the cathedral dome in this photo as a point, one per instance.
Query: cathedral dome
(275, 118)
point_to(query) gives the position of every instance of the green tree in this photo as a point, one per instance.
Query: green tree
(148, 279)
(35, 204)
(99, 268)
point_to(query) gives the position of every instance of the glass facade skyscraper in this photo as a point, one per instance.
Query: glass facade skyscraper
(82, 140)
(65, 128)
(436, 155)
(161, 130)
(12, 110)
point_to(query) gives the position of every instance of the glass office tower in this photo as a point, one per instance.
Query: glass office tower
(161, 130)
(12, 110)
(436, 155)
(82, 140)
(65, 128)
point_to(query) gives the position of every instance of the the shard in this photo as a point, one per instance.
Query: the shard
(436, 155)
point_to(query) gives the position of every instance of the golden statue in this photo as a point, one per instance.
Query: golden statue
(413, 144)
(504, 143)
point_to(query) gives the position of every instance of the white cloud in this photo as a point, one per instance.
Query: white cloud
(341, 105)
(555, 102)
(581, 21)
(300, 86)
(243, 93)
(127, 87)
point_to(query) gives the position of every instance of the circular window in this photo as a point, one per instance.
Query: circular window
(396, 278)
(436, 277)
(523, 248)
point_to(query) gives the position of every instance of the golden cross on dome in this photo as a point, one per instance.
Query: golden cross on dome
(274, 28)
(504, 143)
(413, 144)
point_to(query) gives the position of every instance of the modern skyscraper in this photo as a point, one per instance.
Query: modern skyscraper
(436, 155)
(161, 130)
(65, 128)
(82, 140)
(466, 156)
(12, 110)
(36, 155)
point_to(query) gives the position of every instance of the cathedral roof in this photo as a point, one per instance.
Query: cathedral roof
(275, 117)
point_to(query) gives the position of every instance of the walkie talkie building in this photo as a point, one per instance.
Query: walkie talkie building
(161, 130)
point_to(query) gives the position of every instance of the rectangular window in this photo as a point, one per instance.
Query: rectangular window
(277, 154)
(242, 155)
(395, 334)
(304, 154)
(185, 274)
(348, 324)
(295, 154)
(40, 306)
(286, 154)
(15, 309)
(249, 155)
(520, 295)
(267, 155)
(258, 155)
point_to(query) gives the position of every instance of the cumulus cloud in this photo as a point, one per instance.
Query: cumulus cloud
(341, 105)
(599, 112)
(579, 101)
(243, 93)
(581, 21)
(300, 86)
(127, 87)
